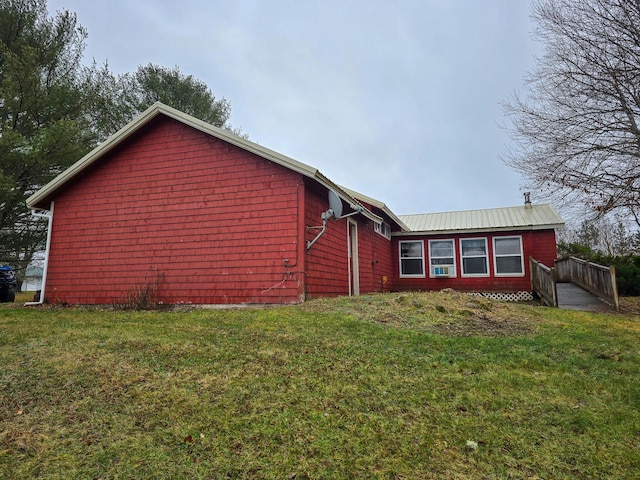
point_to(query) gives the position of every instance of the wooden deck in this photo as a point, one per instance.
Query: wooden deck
(572, 297)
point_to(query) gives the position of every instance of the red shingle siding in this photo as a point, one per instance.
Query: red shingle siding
(376, 259)
(203, 220)
(541, 244)
(328, 262)
(376, 264)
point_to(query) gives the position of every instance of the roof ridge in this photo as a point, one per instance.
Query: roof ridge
(160, 108)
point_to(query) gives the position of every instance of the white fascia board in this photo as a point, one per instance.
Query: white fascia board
(243, 143)
(159, 108)
(268, 154)
(344, 195)
(378, 204)
(91, 157)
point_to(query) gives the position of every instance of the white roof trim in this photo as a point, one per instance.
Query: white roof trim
(159, 108)
(376, 203)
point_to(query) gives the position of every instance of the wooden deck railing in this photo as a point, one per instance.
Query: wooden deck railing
(543, 282)
(597, 279)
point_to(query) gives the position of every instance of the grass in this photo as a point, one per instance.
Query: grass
(393, 386)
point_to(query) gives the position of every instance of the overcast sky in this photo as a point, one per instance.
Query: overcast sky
(399, 100)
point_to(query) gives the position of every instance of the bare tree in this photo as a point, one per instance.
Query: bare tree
(576, 134)
(608, 236)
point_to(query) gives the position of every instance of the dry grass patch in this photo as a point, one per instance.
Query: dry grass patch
(630, 305)
(446, 312)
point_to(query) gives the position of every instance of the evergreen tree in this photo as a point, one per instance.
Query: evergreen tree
(54, 109)
(47, 106)
(153, 83)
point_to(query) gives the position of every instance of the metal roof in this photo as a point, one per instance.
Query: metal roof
(524, 217)
(41, 197)
(377, 204)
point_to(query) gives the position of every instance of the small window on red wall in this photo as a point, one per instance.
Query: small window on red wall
(507, 256)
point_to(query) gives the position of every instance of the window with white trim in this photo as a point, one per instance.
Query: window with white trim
(383, 229)
(507, 256)
(411, 258)
(442, 258)
(473, 255)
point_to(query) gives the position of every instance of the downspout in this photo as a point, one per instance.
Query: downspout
(301, 260)
(49, 216)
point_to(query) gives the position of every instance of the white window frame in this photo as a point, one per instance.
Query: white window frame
(416, 275)
(452, 267)
(485, 256)
(383, 229)
(495, 257)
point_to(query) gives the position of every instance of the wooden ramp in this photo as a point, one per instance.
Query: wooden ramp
(572, 297)
(569, 283)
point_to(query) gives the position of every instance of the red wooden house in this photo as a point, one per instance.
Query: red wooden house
(478, 250)
(194, 214)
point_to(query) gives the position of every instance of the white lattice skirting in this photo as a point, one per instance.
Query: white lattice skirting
(506, 297)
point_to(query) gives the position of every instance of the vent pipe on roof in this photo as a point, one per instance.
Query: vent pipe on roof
(527, 199)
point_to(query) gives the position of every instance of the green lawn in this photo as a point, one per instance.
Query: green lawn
(395, 386)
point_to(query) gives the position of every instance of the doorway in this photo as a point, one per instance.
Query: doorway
(354, 272)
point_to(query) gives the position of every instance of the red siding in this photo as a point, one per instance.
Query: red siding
(328, 261)
(376, 266)
(377, 259)
(540, 244)
(205, 221)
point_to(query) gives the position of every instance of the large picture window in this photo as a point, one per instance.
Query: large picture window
(507, 256)
(473, 254)
(412, 258)
(442, 260)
